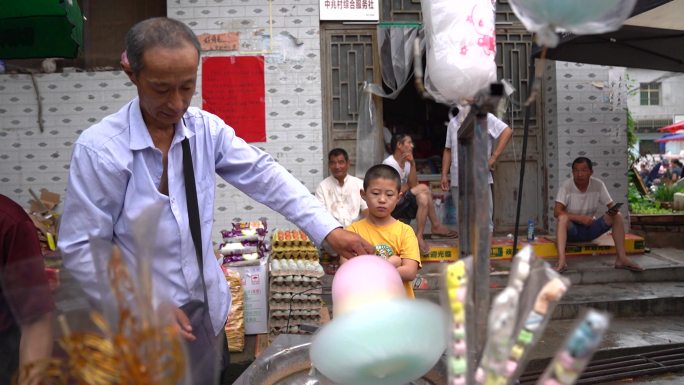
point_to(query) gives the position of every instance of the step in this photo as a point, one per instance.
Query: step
(447, 249)
(619, 299)
(628, 332)
(660, 265)
(623, 299)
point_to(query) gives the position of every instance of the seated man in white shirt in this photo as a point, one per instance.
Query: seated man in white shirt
(416, 199)
(581, 218)
(340, 193)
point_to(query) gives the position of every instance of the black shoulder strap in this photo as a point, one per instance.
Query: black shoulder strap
(193, 210)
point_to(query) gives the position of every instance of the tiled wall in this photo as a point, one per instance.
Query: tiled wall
(585, 115)
(70, 102)
(285, 34)
(579, 118)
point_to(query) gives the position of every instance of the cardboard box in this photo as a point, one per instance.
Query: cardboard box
(48, 200)
(255, 284)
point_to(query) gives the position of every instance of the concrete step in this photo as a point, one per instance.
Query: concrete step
(628, 332)
(595, 283)
(660, 264)
(618, 299)
(623, 299)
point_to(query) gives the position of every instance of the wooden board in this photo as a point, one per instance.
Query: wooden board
(262, 342)
(639, 182)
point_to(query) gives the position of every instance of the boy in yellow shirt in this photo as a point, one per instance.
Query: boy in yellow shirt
(393, 240)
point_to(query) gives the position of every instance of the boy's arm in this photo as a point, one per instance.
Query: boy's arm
(408, 269)
(409, 254)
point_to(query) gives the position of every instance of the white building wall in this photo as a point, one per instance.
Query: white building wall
(73, 101)
(671, 106)
(672, 94)
(584, 115)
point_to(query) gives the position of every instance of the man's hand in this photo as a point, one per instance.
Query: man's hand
(408, 156)
(614, 209)
(348, 244)
(184, 327)
(444, 183)
(584, 219)
(490, 163)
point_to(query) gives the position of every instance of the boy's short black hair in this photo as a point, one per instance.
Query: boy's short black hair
(381, 171)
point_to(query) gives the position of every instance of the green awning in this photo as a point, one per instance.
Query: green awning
(40, 29)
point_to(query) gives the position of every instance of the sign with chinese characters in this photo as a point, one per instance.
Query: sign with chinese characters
(350, 10)
(227, 41)
(233, 89)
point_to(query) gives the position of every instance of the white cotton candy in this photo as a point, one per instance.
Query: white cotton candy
(461, 48)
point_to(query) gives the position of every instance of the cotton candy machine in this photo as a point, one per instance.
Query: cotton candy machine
(286, 362)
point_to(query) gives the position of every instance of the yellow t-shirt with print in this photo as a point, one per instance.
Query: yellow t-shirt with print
(397, 238)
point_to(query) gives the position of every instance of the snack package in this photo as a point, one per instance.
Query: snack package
(235, 325)
(244, 242)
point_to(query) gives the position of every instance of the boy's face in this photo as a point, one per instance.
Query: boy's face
(381, 196)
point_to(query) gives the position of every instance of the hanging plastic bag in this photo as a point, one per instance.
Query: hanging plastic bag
(461, 48)
(581, 17)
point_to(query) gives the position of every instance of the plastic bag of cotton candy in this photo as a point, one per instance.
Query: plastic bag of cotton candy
(244, 242)
(461, 48)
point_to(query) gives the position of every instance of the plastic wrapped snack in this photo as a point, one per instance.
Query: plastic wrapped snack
(244, 242)
(235, 326)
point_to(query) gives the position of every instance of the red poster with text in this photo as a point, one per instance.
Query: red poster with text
(233, 89)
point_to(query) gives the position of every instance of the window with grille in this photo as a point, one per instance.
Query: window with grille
(643, 126)
(649, 94)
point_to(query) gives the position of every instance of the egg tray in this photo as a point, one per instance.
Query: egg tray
(294, 320)
(296, 268)
(310, 304)
(295, 253)
(290, 238)
(292, 329)
(314, 313)
(313, 288)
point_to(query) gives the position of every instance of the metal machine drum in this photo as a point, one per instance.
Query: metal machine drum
(286, 362)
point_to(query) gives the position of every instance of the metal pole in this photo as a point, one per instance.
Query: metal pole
(523, 158)
(475, 235)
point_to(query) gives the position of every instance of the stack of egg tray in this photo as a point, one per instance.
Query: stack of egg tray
(294, 287)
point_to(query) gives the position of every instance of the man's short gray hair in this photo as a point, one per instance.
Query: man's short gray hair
(157, 32)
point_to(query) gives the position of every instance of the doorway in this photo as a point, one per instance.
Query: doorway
(350, 56)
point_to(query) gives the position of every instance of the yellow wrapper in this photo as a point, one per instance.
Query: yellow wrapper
(235, 326)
